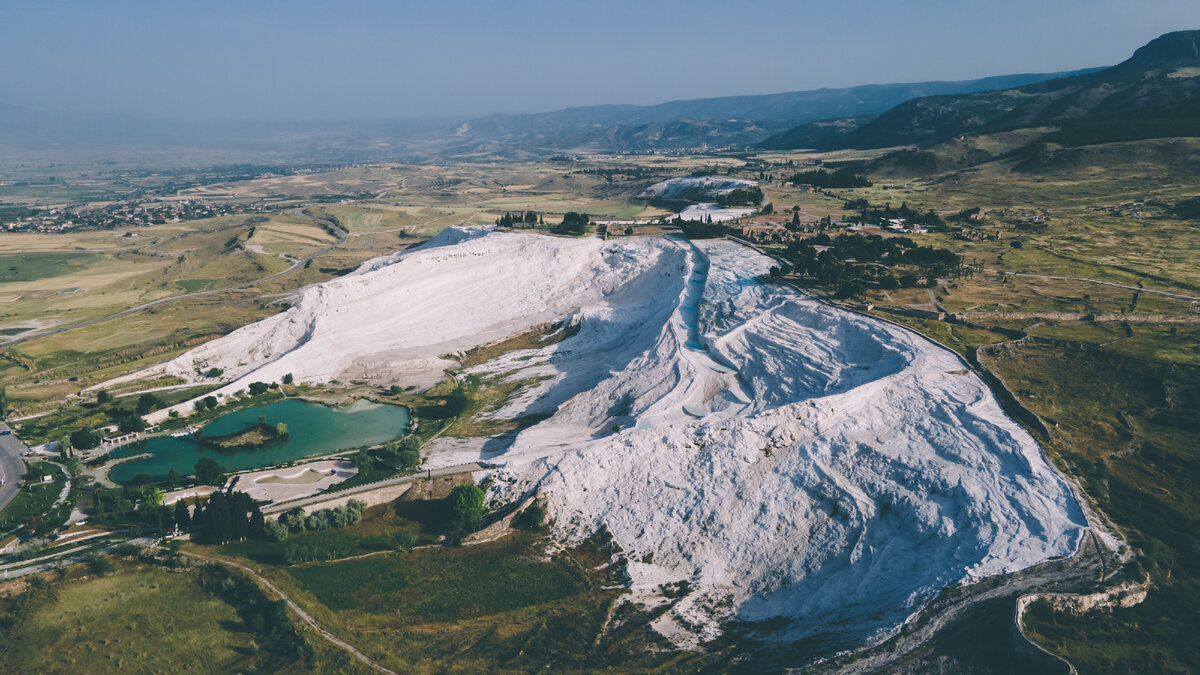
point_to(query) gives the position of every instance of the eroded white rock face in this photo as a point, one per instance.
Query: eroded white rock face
(845, 474)
(789, 459)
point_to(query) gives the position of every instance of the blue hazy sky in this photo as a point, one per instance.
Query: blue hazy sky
(304, 60)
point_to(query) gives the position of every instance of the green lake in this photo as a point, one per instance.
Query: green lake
(313, 429)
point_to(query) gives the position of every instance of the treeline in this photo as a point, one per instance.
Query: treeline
(695, 229)
(747, 195)
(852, 263)
(295, 521)
(870, 214)
(127, 419)
(526, 219)
(841, 178)
(402, 453)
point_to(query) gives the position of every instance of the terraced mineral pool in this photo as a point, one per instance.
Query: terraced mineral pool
(313, 429)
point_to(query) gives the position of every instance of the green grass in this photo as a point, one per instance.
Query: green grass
(407, 586)
(34, 266)
(195, 285)
(35, 497)
(1129, 428)
(328, 544)
(135, 620)
(504, 606)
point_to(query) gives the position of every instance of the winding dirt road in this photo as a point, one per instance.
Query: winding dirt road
(304, 616)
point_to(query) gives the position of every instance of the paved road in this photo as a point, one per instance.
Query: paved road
(63, 557)
(326, 496)
(12, 468)
(295, 266)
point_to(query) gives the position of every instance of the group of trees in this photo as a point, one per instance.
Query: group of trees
(880, 214)
(257, 388)
(295, 521)
(841, 178)
(747, 195)
(853, 262)
(230, 516)
(85, 439)
(207, 403)
(526, 219)
(127, 420)
(572, 223)
(403, 452)
(696, 229)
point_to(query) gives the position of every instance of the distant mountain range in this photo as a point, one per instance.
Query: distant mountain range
(708, 122)
(1165, 71)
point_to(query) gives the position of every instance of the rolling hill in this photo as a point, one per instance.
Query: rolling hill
(1163, 72)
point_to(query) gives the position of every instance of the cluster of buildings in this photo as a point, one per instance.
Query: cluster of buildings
(124, 214)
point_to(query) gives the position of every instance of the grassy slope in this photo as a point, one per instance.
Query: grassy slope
(1128, 428)
(130, 620)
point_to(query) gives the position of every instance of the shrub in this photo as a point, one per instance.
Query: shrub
(406, 540)
(531, 518)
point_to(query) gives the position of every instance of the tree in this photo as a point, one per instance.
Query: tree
(287, 379)
(131, 424)
(103, 397)
(210, 402)
(293, 520)
(146, 403)
(154, 496)
(281, 430)
(172, 477)
(65, 451)
(209, 472)
(215, 372)
(85, 439)
(466, 507)
(3, 401)
(257, 388)
(182, 518)
(276, 530)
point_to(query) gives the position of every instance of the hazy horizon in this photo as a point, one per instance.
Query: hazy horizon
(309, 62)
